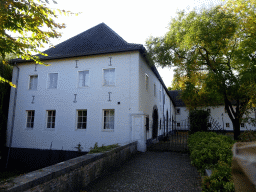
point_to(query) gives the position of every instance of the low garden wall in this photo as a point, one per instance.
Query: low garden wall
(73, 174)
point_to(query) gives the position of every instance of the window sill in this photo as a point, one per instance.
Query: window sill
(107, 130)
(50, 129)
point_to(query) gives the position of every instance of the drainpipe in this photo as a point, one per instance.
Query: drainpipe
(163, 108)
(13, 114)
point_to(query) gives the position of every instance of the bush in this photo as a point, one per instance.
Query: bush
(97, 149)
(198, 120)
(209, 150)
(247, 136)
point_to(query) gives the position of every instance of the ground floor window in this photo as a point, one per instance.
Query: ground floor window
(227, 124)
(51, 114)
(30, 118)
(81, 119)
(108, 115)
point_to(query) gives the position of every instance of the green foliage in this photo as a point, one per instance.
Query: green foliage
(97, 149)
(26, 26)
(208, 150)
(198, 120)
(220, 180)
(248, 136)
(214, 51)
(5, 72)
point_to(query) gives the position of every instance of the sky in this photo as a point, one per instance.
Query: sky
(134, 20)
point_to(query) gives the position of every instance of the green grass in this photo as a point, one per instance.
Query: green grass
(97, 149)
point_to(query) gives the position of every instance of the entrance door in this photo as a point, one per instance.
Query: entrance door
(155, 124)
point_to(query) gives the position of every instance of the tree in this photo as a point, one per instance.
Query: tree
(215, 52)
(25, 26)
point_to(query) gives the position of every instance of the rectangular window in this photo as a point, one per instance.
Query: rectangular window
(84, 78)
(30, 119)
(209, 110)
(109, 77)
(53, 79)
(51, 114)
(146, 81)
(154, 89)
(227, 124)
(81, 119)
(33, 82)
(109, 115)
(177, 111)
(178, 124)
(242, 124)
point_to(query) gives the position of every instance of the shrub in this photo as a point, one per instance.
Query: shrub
(198, 120)
(103, 148)
(248, 136)
(220, 180)
(209, 150)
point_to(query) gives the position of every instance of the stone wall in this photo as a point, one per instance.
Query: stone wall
(73, 174)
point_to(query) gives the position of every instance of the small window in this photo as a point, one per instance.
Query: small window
(30, 119)
(209, 110)
(109, 77)
(154, 89)
(81, 119)
(33, 82)
(51, 114)
(84, 78)
(177, 111)
(146, 81)
(109, 115)
(242, 124)
(178, 124)
(53, 79)
(227, 124)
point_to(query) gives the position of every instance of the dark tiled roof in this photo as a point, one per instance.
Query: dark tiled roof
(175, 95)
(97, 40)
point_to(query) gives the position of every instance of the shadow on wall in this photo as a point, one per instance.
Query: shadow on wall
(33, 159)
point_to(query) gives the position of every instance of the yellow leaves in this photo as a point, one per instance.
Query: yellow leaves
(3, 80)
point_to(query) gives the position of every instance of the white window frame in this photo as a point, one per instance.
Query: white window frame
(209, 110)
(146, 81)
(105, 117)
(177, 113)
(49, 81)
(88, 83)
(104, 81)
(228, 125)
(82, 122)
(30, 82)
(30, 119)
(52, 121)
(242, 125)
(178, 124)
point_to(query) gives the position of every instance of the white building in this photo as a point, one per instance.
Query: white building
(218, 116)
(98, 88)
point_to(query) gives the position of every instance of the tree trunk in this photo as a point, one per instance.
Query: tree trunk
(236, 128)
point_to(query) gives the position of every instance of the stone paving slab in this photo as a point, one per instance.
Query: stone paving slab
(151, 171)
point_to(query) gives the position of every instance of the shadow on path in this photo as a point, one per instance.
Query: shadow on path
(151, 171)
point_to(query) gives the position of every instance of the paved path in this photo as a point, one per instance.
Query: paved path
(151, 171)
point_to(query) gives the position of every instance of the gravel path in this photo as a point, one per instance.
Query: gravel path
(151, 171)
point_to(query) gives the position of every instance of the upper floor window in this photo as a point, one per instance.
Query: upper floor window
(108, 115)
(146, 81)
(81, 119)
(51, 114)
(83, 78)
(109, 77)
(178, 111)
(30, 119)
(209, 110)
(227, 124)
(52, 81)
(33, 82)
